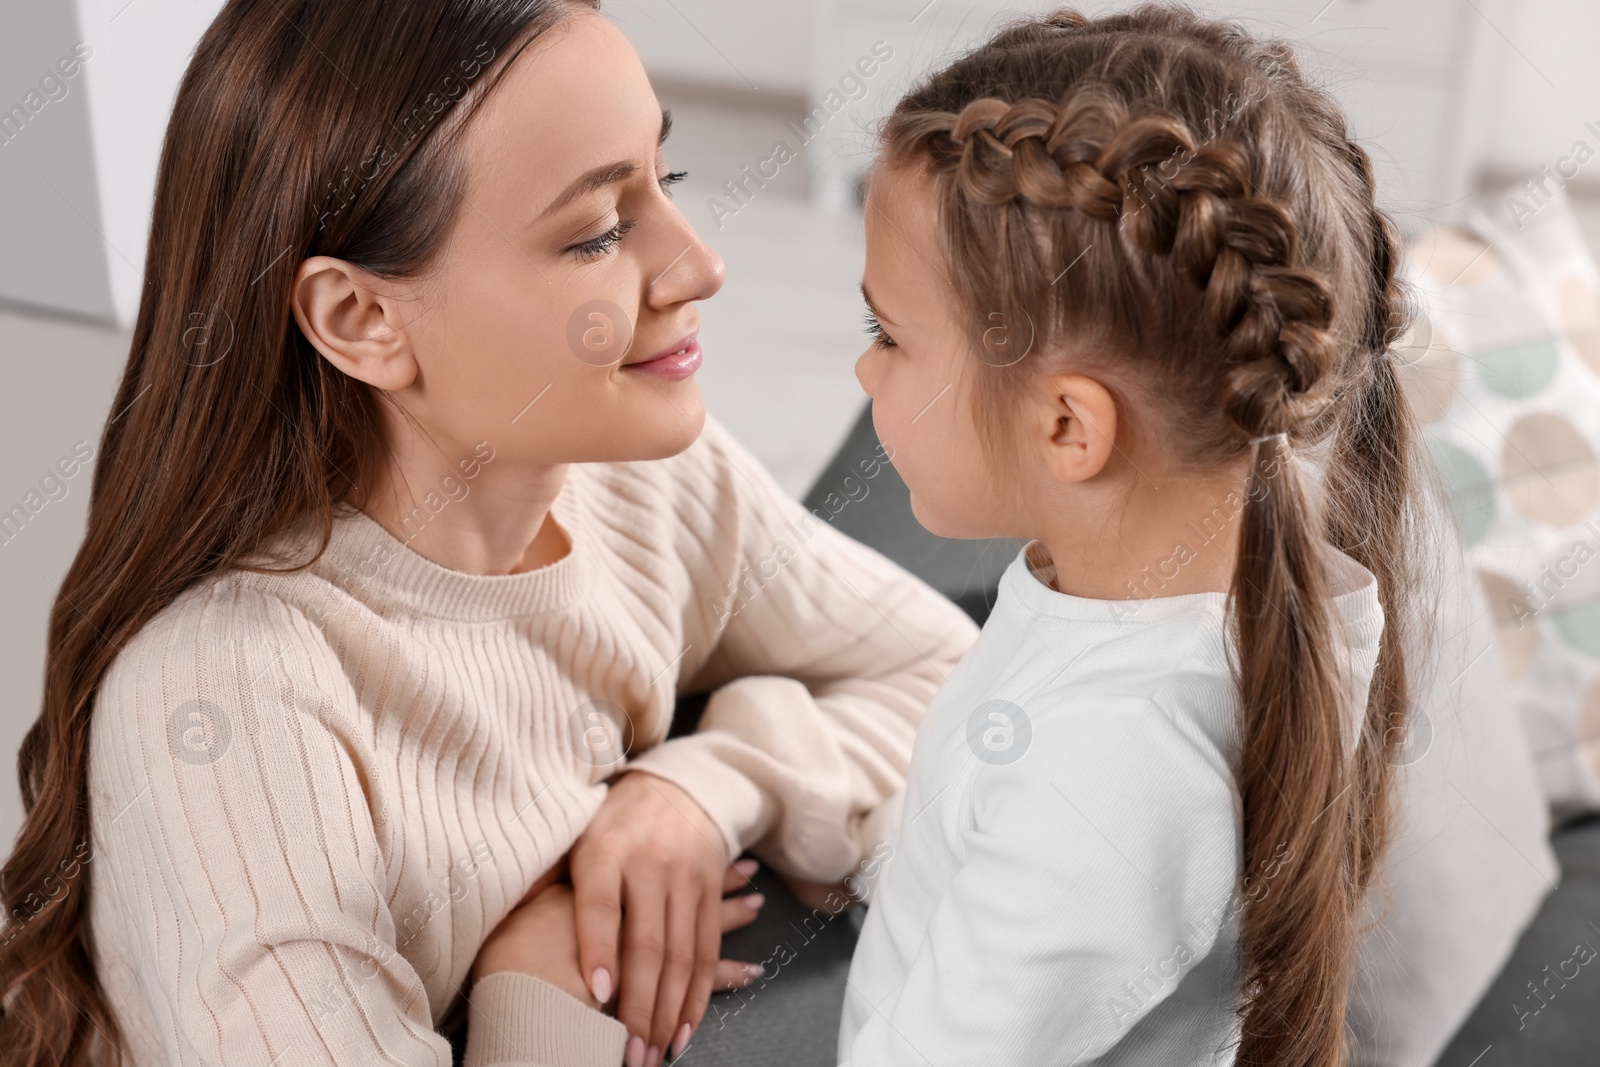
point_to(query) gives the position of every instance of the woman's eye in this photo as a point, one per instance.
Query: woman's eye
(672, 178)
(875, 329)
(596, 247)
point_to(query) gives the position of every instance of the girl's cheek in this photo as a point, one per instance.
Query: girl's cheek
(896, 393)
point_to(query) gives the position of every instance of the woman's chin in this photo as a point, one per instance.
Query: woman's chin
(675, 416)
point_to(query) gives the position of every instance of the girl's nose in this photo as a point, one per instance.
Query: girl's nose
(867, 370)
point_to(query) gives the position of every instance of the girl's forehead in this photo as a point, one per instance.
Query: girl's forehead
(900, 213)
(906, 268)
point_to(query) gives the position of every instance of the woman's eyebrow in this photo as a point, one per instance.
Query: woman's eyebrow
(603, 175)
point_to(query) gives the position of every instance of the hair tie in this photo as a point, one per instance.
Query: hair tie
(1284, 437)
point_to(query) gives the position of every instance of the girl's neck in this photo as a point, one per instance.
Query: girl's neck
(1177, 538)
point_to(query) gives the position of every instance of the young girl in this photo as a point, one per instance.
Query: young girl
(408, 528)
(1127, 283)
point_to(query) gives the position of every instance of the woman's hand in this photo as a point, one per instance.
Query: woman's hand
(540, 937)
(649, 872)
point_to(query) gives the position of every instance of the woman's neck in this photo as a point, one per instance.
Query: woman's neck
(474, 512)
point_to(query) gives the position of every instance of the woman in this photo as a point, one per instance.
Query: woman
(380, 618)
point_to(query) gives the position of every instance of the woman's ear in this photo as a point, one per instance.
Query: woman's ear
(354, 321)
(1078, 426)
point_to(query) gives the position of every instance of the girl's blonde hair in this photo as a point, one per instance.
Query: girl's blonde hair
(1164, 201)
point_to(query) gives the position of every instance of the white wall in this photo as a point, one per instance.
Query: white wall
(1545, 84)
(1443, 88)
(1401, 68)
(142, 49)
(84, 166)
(730, 43)
(51, 250)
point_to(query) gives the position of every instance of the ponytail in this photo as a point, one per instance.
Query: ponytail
(1370, 489)
(1294, 780)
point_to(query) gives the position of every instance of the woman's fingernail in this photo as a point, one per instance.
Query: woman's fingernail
(653, 1057)
(600, 983)
(755, 900)
(680, 1040)
(633, 1055)
(747, 867)
(754, 970)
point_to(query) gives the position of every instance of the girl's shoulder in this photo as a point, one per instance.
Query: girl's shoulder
(1068, 653)
(1080, 689)
(1171, 656)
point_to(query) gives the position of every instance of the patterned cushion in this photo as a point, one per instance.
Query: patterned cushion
(1504, 370)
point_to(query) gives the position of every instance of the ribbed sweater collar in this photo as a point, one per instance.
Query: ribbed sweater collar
(392, 578)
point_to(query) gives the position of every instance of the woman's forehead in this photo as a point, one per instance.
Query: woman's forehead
(575, 99)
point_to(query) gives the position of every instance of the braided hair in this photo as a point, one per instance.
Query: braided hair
(1173, 208)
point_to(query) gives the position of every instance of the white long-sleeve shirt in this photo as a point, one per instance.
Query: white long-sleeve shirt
(1063, 886)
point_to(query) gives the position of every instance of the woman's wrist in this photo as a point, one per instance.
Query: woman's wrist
(515, 1020)
(538, 938)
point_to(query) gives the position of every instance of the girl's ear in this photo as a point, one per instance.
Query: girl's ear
(1078, 426)
(354, 321)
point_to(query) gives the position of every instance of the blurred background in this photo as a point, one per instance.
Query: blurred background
(1455, 99)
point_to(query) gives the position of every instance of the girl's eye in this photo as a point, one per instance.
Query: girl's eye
(596, 247)
(875, 329)
(671, 179)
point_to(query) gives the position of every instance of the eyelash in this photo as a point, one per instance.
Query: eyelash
(596, 247)
(875, 329)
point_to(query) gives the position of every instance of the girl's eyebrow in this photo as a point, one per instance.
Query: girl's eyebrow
(603, 175)
(879, 315)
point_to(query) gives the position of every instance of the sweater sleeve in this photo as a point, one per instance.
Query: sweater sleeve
(238, 863)
(1098, 869)
(821, 655)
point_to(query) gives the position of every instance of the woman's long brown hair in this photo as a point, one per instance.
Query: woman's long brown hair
(1164, 200)
(300, 128)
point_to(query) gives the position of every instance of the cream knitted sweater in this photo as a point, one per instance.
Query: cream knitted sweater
(313, 796)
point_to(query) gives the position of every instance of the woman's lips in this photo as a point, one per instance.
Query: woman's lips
(675, 364)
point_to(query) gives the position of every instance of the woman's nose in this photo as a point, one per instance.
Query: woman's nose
(692, 271)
